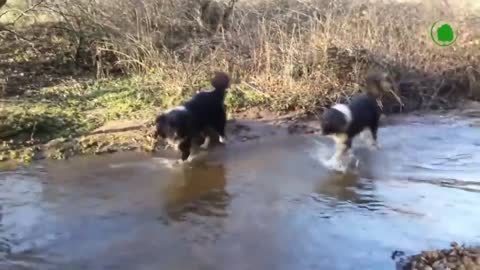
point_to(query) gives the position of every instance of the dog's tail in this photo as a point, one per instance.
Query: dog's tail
(220, 81)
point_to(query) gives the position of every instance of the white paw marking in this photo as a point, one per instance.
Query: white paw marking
(222, 139)
(206, 143)
(357, 162)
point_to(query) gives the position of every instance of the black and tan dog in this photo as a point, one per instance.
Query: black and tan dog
(192, 122)
(343, 122)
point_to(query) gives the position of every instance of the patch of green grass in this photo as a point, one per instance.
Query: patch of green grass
(40, 122)
(23, 154)
(123, 99)
(242, 97)
(75, 109)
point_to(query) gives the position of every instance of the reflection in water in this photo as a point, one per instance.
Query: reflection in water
(196, 205)
(341, 189)
(198, 190)
(20, 212)
(355, 188)
(4, 246)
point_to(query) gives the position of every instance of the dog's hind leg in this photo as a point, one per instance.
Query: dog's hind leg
(222, 139)
(202, 140)
(219, 127)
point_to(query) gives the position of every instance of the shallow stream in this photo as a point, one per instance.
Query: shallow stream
(265, 204)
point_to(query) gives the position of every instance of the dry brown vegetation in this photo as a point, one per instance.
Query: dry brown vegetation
(297, 53)
(284, 55)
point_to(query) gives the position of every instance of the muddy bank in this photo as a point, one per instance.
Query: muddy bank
(124, 135)
(135, 135)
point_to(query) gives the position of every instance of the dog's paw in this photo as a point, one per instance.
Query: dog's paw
(357, 163)
(222, 140)
(376, 146)
(336, 164)
(206, 143)
(179, 161)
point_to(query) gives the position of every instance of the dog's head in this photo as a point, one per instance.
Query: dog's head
(220, 80)
(378, 83)
(336, 120)
(174, 124)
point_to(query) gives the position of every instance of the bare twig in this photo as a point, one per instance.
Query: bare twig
(28, 10)
(34, 129)
(5, 27)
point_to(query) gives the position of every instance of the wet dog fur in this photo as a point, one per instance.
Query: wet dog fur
(343, 122)
(191, 124)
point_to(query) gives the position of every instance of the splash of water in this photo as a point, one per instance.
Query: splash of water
(342, 164)
(151, 164)
(167, 163)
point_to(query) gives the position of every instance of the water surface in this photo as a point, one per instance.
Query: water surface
(266, 204)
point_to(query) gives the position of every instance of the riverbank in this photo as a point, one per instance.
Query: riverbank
(137, 134)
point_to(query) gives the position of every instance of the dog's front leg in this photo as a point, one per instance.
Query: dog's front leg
(342, 145)
(374, 142)
(184, 147)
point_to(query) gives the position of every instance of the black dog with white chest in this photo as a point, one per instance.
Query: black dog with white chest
(343, 122)
(190, 123)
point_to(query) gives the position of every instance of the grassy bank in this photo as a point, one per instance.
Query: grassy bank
(68, 68)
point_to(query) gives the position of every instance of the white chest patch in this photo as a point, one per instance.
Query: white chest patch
(178, 108)
(345, 110)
